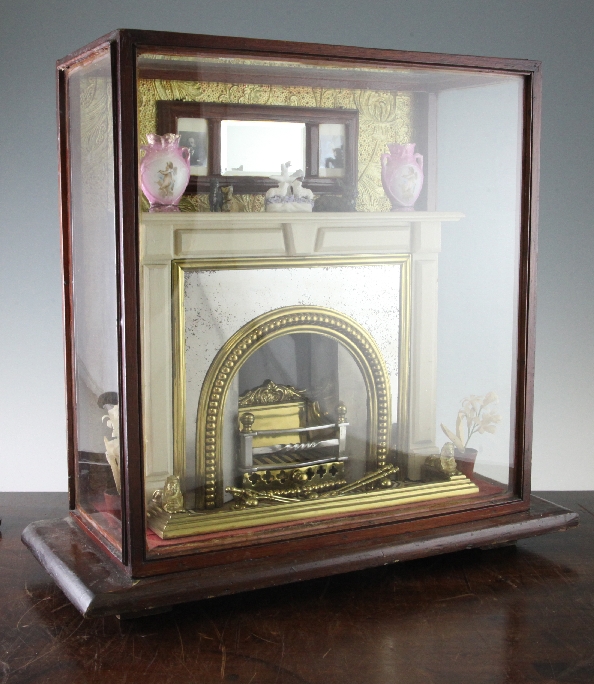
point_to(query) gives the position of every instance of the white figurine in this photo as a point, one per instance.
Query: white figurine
(279, 191)
(300, 192)
(285, 176)
(112, 446)
(280, 200)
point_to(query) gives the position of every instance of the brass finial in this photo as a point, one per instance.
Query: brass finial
(247, 420)
(341, 410)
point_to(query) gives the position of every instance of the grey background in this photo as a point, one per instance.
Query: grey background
(34, 34)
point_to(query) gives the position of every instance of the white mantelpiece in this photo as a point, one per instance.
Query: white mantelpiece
(166, 237)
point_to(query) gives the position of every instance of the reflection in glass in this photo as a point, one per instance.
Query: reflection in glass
(332, 151)
(258, 148)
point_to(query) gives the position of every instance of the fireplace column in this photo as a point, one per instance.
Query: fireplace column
(425, 248)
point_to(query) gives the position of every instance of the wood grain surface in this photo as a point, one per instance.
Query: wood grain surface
(515, 614)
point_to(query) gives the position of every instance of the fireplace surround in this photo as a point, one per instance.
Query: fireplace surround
(396, 347)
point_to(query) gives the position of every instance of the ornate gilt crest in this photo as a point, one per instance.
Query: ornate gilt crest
(270, 393)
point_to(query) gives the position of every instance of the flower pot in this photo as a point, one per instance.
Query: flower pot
(164, 171)
(465, 461)
(113, 503)
(402, 176)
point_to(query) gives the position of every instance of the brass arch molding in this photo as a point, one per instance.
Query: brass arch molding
(254, 335)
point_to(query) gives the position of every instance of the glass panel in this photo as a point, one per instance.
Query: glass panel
(479, 146)
(358, 351)
(95, 295)
(258, 148)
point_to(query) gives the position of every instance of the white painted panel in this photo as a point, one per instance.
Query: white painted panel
(304, 237)
(363, 240)
(423, 361)
(157, 371)
(426, 237)
(229, 241)
(158, 241)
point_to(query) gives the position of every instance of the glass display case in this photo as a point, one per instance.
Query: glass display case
(299, 305)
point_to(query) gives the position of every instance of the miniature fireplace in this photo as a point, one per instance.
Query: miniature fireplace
(317, 348)
(352, 336)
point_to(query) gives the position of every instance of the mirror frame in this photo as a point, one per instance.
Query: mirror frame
(168, 112)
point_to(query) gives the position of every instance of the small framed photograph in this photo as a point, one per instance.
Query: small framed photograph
(194, 135)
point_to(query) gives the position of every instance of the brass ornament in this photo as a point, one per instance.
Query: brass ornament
(270, 393)
(440, 467)
(247, 420)
(170, 498)
(187, 523)
(382, 477)
(250, 498)
(296, 482)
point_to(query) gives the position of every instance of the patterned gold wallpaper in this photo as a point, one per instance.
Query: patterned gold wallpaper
(96, 143)
(384, 117)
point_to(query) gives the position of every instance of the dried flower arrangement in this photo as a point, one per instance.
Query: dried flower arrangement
(473, 417)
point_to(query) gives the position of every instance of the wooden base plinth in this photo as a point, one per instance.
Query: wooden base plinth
(97, 587)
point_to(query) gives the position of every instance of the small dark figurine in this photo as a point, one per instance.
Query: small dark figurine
(337, 161)
(347, 201)
(215, 196)
(227, 198)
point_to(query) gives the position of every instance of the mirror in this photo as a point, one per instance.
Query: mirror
(258, 148)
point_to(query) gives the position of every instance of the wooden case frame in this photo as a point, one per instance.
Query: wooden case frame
(133, 561)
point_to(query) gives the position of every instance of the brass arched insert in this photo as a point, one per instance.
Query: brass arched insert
(247, 340)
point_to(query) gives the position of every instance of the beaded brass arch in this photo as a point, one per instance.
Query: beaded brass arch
(255, 334)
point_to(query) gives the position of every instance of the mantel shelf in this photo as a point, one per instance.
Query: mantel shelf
(395, 218)
(188, 235)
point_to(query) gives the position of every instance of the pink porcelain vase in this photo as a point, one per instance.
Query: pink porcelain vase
(164, 171)
(402, 175)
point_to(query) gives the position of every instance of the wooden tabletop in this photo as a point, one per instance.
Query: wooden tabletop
(520, 614)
